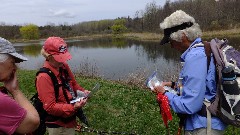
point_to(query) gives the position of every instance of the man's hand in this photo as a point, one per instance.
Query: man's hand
(167, 84)
(158, 89)
(12, 83)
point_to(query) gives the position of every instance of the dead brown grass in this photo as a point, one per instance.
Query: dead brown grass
(206, 34)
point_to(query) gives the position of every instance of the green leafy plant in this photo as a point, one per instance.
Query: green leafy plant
(30, 31)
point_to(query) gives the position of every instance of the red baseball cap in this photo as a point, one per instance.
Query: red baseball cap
(57, 47)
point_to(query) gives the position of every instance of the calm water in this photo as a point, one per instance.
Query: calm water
(111, 59)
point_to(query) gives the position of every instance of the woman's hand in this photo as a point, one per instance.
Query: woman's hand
(80, 104)
(86, 92)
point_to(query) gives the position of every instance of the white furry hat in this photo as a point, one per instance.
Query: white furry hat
(178, 20)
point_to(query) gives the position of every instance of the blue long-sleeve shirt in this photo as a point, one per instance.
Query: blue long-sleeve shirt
(198, 83)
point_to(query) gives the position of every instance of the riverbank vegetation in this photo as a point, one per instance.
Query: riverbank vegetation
(206, 35)
(117, 107)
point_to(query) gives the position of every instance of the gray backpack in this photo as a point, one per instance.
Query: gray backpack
(226, 105)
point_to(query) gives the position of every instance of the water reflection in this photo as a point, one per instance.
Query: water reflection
(111, 58)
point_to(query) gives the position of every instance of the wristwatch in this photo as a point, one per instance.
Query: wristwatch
(173, 85)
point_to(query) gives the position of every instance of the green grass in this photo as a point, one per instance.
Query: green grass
(117, 107)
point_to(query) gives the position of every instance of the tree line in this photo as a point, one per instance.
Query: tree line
(210, 14)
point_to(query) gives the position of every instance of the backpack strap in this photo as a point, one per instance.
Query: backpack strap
(208, 52)
(53, 78)
(64, 76)
(209, 117)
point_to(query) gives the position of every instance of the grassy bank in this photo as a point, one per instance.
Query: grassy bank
(206, 34)
(148, 36)
(117, 107)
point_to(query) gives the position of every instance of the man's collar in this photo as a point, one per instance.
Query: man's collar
(197, 40)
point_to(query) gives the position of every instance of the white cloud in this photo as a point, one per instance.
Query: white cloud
(61, 13)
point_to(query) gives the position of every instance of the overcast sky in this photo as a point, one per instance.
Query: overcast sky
(43, 12)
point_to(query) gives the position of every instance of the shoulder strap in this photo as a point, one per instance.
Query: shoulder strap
(65, 82)
(53, 78)
(208, 52)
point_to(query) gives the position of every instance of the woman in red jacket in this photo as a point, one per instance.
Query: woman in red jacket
(63, 113)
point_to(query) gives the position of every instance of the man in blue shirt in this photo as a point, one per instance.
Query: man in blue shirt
(196, 80)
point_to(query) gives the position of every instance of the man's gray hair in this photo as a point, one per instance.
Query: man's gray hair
(177, 18)
(4, 57)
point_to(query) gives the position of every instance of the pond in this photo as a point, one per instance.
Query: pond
(113, 59)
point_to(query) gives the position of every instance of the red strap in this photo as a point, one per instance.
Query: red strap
(165, 108)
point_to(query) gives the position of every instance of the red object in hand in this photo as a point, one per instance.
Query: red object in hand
(164, 108)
